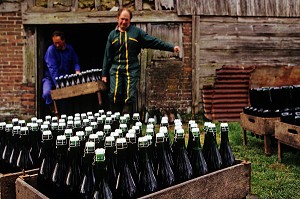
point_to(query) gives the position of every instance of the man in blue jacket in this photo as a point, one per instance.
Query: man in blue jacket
(121, 64)
(61, 60)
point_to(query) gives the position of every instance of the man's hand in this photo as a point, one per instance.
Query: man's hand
(176, 49)
(104, 79)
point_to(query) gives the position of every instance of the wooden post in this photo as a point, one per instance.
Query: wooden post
(279, 151)
(244, 137)
(98, 4)
(267, 144)
(74, 5)
(195, 63)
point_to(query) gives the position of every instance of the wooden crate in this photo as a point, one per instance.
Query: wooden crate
(287, 134)
(7, 183)
(231, 182)
(260, 126)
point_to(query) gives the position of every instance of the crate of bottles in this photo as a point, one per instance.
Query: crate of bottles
(230, 182)
(7, 183)
(258, 125)
(287, 134)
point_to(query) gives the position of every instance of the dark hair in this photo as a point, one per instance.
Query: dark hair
(124, 9)
(59, 34)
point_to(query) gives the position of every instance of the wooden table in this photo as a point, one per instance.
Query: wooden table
(287, 134)
(77, 90)
(259, 126)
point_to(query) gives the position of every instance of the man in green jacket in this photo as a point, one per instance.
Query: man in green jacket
(121, 64)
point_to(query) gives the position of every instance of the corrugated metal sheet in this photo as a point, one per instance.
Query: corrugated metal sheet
(224, 101)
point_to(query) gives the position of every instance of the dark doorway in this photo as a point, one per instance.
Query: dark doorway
(89, 42)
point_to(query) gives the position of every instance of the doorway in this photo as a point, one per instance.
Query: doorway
(89, 41)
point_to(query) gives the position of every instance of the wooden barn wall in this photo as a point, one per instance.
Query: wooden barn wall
(269, 8)
(269, 44)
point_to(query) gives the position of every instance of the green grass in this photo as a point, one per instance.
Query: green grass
(269, 177)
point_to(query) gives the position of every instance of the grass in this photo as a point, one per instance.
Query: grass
(269, 177)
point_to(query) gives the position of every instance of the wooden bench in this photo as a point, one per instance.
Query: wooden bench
(260, 126)
(77, 90)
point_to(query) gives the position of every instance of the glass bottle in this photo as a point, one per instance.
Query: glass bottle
(47, 161)
(36, 137)
(165, 175)
(2, 144)
(125, 187)
(88, 180)
(132, 150)
(111, 161)
(196, 157)
(94, 138)
(167, 143)
(210, 152)
(25, 161)
(60, 167)
(151, 148)
(147, 181)
(15, 149)
(190, 140)
(182, 166)
(101, 138)
(74, 172)
(225, 149)
(102, 189)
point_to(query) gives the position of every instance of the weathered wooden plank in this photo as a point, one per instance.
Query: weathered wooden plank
(25, 189)
(9, 7)
(288, 134)
(196, 70)
(50, 3)
(185, 7)
(29, 70)
(98, 4)
(169, 33)
(99, 17)
(138, 4)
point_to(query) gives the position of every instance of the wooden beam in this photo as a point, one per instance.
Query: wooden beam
(138, 4)
(100, 17)
(50, 3)
(195, 63)
(98, 4)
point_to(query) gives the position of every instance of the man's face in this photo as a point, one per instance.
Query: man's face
(59, 44)
(124, 20)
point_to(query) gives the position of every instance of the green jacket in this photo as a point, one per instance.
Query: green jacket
(123, 48)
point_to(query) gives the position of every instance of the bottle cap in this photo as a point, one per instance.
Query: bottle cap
(139, 124)
(24, 130)
(48, 118)
(61, 140)
(151, 120)
(44, 127)
(100, 135)
(74, 141)
(83, 116)
(54, 126)
(127, 116)
(123, 127)
(8, 127)
(108, 113)
(149, 139)
(119, 132)
(70, 124)
(77, 124)
(100, 155)
(22, 123)
(47, 135)
(122, 120)
(93, 138)
(94, 125)
(130, 138)
(89, 113)
(136, 116)
(33, 119)
(54, 119)
(150, 132)
(117, 114)
(107, 128)
(88, 130)
(121, 143)
(80, 135)
(39, 121)
(89, 147)
(179, 134)
(143, 142)
(16, 130)
(70, 118)
(109, 141)
(62, 126)
(68, 133)
(101, 112)
(91, 118)
(160, 137)
(2, 125)
(85, 122)
(108, 120)
(61, 120)
(196, 132)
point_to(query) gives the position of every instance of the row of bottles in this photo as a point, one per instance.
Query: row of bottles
(273, 101)
(106, 155)
(92, 75)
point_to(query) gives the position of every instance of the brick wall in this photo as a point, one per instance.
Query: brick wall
(17, 99)
(170, 81)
